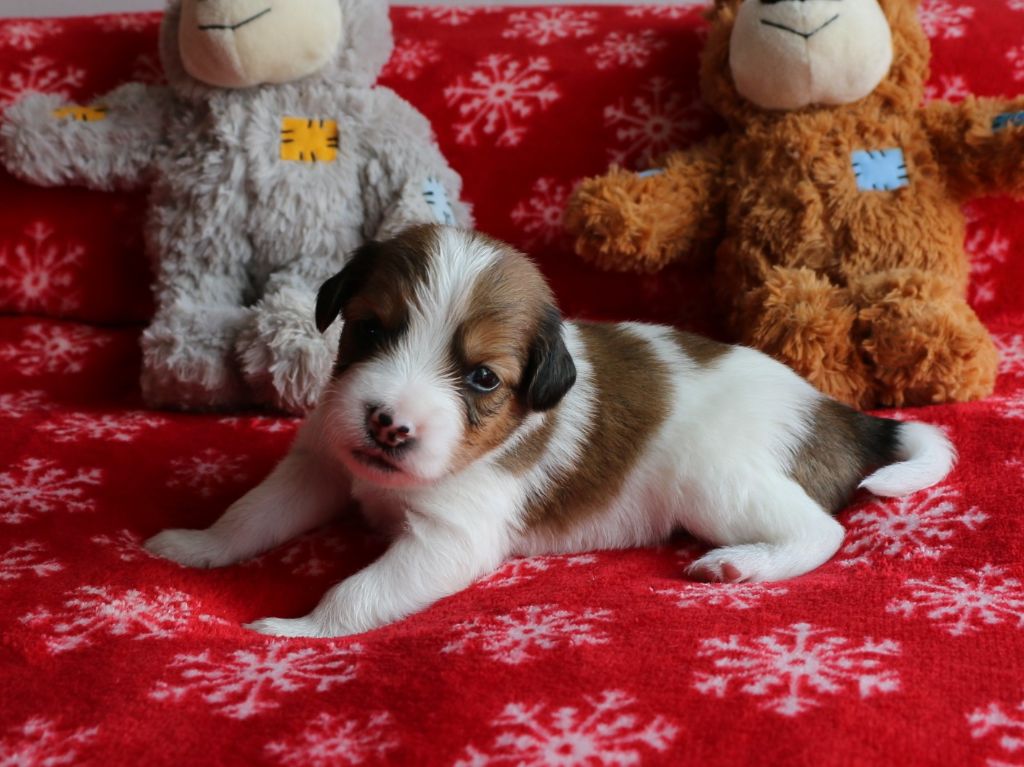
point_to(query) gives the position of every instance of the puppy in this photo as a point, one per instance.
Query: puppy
(474, 424)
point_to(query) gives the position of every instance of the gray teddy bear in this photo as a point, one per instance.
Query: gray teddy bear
(269, 157)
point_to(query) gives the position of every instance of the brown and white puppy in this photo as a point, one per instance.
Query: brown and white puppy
(474, 424)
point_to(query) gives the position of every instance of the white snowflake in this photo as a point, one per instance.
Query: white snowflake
(540, 215)
(1016, 5)
(26, 34)
(39, 742)
(963, 603)
(126, 22)
(792, 668)
(39, 74)
(244, 683)
(451, 15)
(1011, 406)
(38, 274)
(945, 19)
(22, 403)
(335, 739)
(499, 94)
(91, 611)
(40, 486)
(626, 49)
(678, 9)
(523, 569)
(264, 423)
(988, 248)
(125, 544)
(732, 596)
(947, 88)
(1008, 725)
(652, 124)
(912, 527)
(206, 471)
(518, 636)
(24, 558)
(310, 555)
(110, 427)
(550, 25)
(1016, 58)
(411, 57)
(601, 731)
(52, 349)
(1011, 354)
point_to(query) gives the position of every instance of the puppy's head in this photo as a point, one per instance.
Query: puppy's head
(450, 340)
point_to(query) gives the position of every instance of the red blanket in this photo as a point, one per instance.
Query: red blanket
(905, 649)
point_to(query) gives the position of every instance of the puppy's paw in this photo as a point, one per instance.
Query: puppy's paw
(737, 564)
(192, 548)
(287, 627)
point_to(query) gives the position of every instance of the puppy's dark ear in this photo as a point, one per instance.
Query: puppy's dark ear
(336, 292)
(550, 371)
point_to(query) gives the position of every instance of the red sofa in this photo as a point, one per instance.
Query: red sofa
(905, 649)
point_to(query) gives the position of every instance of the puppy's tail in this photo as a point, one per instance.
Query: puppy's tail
(924, 457)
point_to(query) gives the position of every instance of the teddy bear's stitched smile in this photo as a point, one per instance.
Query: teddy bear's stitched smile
(804, 35)
(233, 27)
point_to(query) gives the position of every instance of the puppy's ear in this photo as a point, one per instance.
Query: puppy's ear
(550, 371)
(337, 291)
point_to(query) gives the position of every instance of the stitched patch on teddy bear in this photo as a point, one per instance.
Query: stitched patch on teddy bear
(81, 114)
(1007, 120)
(880, 170)
(306, 139)
(437, 198)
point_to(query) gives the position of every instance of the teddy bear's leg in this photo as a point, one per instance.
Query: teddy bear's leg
(803, 320)
(284, 358)
(187, 350)
(925, 342)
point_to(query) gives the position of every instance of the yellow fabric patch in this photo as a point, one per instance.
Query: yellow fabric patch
(80, 113)
(304, 139)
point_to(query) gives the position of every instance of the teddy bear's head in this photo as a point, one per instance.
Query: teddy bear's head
(246, 43)
(769, 56)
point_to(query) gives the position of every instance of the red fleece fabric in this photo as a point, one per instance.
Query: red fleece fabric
(904, 649)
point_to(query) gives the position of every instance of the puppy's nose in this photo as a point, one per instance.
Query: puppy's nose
(380, 423)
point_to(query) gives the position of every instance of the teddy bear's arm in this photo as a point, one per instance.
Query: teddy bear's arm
(980, 145)
(627, 221)
(108, 144)
(406, 179)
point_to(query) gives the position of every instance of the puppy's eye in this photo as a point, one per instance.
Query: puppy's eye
(483, 379)
(368, 332)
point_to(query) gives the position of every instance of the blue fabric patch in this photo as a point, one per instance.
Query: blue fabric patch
(880, 170)
(1015, 119)
(651, 172)
(437, 198)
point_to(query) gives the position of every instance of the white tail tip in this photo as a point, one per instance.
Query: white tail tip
(926, 457)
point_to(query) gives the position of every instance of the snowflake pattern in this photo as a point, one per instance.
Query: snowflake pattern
(1016, 58)
(540, 215)
(26, 34)
(678, 9)
(22, 403)
(792, 668)
(263, 423)
(58, 349)
(523, 569)
(110, 427)
(550, 25)
(27, 558)
(38, 274)
(39, 486)
(1011, 356)
(411, 57)
(125, 22)
(1011, 406)
(125, 544)
(517, 637)
(988, 249)
(449, 15)
(948, 88)
(944, 19)
(39, 74)
(40, 742)
(92, 611)
(333, 739)
(914, 526)
(310, 555)
(499, 94)
(206, 471)
(731, 596)
(601, 731)
(996, 720)
(962, 604)
(244, 683)
(654, 122)
(626, 49)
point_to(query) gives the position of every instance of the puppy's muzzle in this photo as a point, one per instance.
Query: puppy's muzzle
(387, 431)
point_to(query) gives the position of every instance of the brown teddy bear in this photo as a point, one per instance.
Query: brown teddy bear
(832, 203)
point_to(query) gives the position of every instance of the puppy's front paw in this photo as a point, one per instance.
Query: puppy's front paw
(286, 627)
(192, 548)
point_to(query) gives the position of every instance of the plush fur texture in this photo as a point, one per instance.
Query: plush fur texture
(473, 424)
(239, 237)
(858, 287)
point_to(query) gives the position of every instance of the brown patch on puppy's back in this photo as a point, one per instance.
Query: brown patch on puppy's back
(631, 387)
(701, 350)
